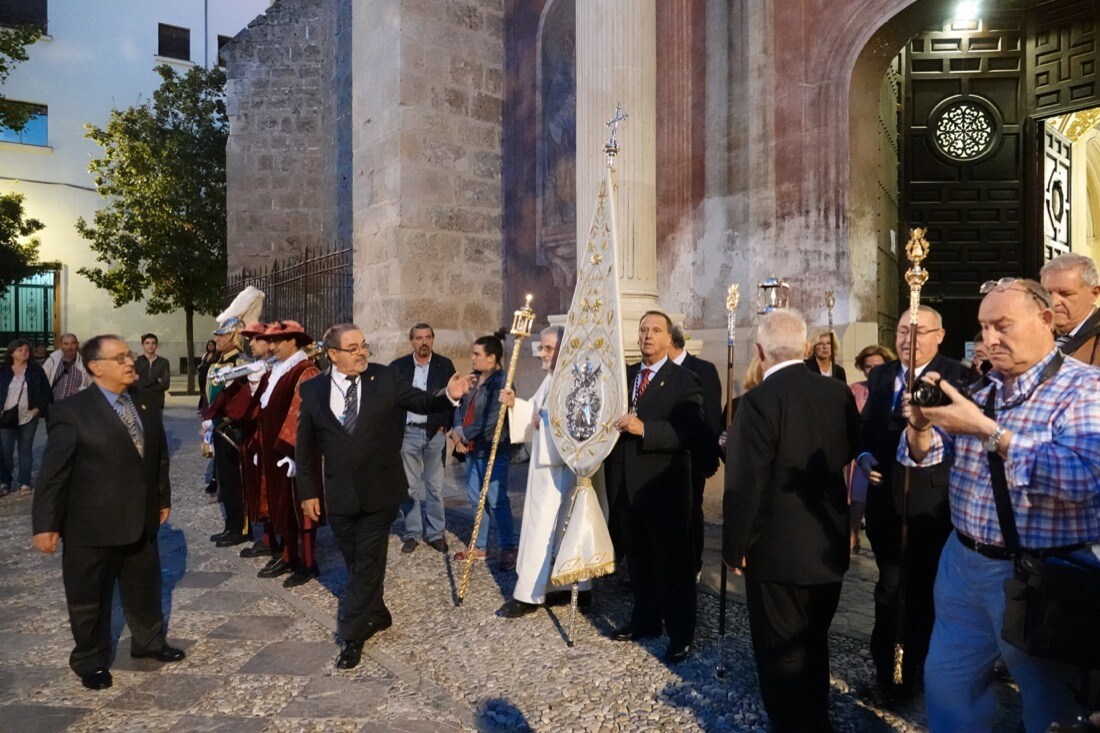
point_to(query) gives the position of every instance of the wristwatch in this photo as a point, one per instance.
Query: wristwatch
(992, 442)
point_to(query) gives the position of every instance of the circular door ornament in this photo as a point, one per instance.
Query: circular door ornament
(965, 129)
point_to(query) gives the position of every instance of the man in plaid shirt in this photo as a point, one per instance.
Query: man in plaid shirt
(1047, 429)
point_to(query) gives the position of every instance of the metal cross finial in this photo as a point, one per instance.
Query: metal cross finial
(612, 146)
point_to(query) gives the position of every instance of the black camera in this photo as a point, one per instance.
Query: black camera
(926, 394)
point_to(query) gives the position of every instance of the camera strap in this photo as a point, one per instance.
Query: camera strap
(997, 473)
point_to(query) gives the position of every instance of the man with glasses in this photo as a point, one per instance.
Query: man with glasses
(881, 425)
(1074, 286)
(1046, 429)
(353, 418)
(104, 488)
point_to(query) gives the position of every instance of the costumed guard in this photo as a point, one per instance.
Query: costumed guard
(255, 495)
(550, 485)
(277, 431)
(218, 420)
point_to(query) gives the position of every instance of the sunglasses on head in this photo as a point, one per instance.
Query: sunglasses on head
(1014, 283)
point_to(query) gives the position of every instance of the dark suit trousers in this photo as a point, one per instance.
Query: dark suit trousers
(89, 575)
(789, 625)
(662, 567)
(927, 535)
(698, 523)
(227, 470)
(363, 540)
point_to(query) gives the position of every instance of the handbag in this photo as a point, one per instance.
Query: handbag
(9, 418)
(1052, 600)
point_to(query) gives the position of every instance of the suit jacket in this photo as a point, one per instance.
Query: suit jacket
(838, 370)
(1085, 344)
(881, 427)
(706, 454)
(786, 500)
(363, 471)
(155, 377)
(440, 370)
(656, 468)
(94, 487)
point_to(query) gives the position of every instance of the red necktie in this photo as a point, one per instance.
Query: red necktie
(643, 384)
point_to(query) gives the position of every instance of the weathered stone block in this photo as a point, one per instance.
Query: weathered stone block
(486, 108)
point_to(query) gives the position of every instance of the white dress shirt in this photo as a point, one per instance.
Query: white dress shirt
(340, 384)
(420, 381)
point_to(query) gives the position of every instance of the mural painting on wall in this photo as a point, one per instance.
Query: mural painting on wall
(557, 147)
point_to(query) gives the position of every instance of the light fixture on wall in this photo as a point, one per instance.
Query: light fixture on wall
(967, 10)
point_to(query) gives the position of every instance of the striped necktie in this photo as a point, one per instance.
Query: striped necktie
(351, 405)
(124, 406)
(1062, 340)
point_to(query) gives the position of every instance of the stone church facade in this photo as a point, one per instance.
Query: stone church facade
(455, 146)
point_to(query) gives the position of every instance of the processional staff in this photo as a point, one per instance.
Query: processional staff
(522, 320)
(732, 297)
(916, 250)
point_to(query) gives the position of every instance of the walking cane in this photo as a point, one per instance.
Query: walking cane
(916, 250)
(522, 320)
(732, 297)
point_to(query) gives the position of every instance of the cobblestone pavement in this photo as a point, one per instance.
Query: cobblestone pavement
(260, 656)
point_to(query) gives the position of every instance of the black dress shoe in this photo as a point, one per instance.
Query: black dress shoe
(275, 568)
(164, 654)
(350, 654)
(99, 679)
(409, 546)
(301, 576)
(565, 597)
(438, 544)
(516, 608)
(212, 487)
(259, 550)
(883, 695)
(677, 653)
(220, 535)
(627, 633)
(232, 539)
(374, 628)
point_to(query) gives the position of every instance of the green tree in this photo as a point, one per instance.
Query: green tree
(18, 259)
(161, 234)
(13, 51)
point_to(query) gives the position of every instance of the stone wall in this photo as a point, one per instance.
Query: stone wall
(274, 168)
(427, 197)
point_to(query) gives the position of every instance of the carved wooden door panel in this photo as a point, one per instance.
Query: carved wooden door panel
(962, 170)
(1062, 57)
(1057, 152)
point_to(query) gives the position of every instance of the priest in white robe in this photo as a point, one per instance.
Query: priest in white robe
(550, 484)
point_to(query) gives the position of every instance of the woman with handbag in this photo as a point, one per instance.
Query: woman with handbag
(26, 393)
(474, 422)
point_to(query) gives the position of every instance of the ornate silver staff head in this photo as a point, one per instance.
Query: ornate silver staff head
(772, 294)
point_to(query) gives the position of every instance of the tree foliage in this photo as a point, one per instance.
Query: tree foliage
(161, 234)
(18, 254)
(13, 51)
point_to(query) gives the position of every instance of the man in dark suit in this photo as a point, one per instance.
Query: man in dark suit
(154, 372)
(1074, 286)
(104, 489)
(881, 425)
(648, 478)
(786, 519)
(704, 455)
(424, 443)
(353, 417)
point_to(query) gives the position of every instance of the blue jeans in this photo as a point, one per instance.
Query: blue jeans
(497, 506)
(423, 459)
(966, 641)
(23, 436)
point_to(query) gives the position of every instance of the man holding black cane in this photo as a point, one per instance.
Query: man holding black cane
(1045, 430)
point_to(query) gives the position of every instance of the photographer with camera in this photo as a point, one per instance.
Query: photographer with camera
(1044, 438)
(929, 521)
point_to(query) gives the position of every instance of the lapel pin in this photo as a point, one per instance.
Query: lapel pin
(661, 384)
(372, 377)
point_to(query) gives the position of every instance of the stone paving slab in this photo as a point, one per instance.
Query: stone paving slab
(31, 718)
(440, 668)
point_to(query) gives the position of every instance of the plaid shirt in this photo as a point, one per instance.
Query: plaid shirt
(68, 379)
(1053, 464)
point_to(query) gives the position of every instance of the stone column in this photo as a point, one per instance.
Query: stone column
(617, 62)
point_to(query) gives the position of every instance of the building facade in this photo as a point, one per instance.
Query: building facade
(92, 60)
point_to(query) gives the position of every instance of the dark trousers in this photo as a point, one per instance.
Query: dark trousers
(89, 574)
(662, 567)
(227, 469)
(789, 625)
(363, 540)
(928, 531)
(698, 485)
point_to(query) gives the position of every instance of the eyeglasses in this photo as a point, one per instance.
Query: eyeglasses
(1025, 286)
(355, 350)
(120, 359)
(921, 332)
